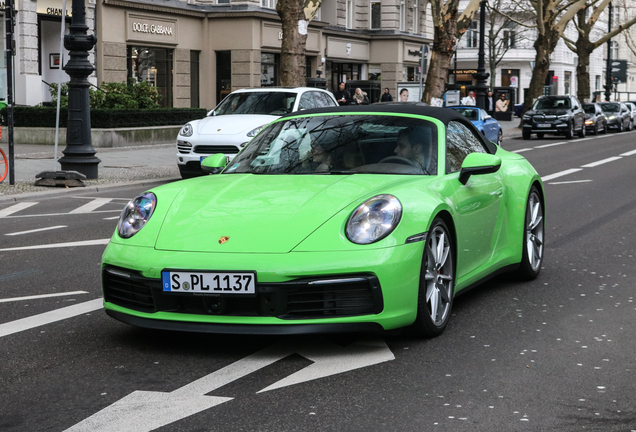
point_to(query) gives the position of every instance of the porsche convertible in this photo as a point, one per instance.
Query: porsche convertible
(346, 219)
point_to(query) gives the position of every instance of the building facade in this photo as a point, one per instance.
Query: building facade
(197, 51)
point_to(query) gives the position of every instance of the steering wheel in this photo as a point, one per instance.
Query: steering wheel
(401, 160)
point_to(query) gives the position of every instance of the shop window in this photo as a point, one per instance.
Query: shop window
(510, 77)
(153, 65)
(376, 17)
(270, 64)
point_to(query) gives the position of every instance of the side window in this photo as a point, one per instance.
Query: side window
(306, 101)
(319, 101)
(460, 142)
(327, 100)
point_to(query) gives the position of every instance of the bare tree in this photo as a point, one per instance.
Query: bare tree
(503, 34)
(295, 16)
(584, 47)
(449, 26)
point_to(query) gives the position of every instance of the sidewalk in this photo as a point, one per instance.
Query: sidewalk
(118, 165)
(511, 128)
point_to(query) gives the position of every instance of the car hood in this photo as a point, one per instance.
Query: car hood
(260, 213)
(232, 124)
(556, 112)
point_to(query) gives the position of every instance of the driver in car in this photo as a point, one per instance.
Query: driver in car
(413, 146)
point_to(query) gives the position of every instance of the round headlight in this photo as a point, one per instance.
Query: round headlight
(374, 219)
(136, 214)
(186, 130)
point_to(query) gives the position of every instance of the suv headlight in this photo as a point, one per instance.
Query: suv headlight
(374, 219)
(526, 117)
(136, 214)
(255, 132)
(186, 130)
(563, 117)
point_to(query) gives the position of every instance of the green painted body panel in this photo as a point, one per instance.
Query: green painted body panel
(287, 227)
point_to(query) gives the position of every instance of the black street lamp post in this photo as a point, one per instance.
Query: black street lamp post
(608, 65)
(79, 154)
(481, 76)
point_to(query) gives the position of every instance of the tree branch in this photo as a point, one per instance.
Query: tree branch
(614, 32)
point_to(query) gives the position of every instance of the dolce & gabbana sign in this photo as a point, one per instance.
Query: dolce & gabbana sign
(151, 29)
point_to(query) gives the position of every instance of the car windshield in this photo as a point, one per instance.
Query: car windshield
(610, 107)
(589, 109)
(269, 103)
(551, 103)
(469, 113)
(343, 144)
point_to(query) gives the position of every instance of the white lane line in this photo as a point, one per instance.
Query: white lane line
(522, 150)
(601, 162)
(560, 174)
(50, 317)
(61, 214)
(60, 245)
(569, 182)
(37, 230)
(16, 208)
(583, 139)
(40, 296)
(553, 144)
(112, 218)
(93, 205)
(630, 153)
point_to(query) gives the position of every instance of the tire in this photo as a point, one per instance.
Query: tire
(533, 237)
(540, 136)
(605, 128)
(570, 132)
(631, 126)
(437, 282)
(621, 126)
(595, 130)
(526, 134)
(582, 131)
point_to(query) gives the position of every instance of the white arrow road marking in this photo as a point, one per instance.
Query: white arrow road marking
(49, 317)
(37, 230)
(144, 411)
(60, 245)
(560, 174)
(41, 296)
(16, 208)
(93, 205)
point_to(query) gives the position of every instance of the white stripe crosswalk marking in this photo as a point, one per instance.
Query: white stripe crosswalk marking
(16, 208)
(37, 230)
(50, 317)
(93, 205)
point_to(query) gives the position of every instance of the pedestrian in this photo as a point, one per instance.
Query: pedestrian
(360, 97)
(470, 99)
(342, 96)
(386, 96)
(404, 95)
(490, 103)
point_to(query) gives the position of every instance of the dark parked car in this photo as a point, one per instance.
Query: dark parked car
(595, 120)
(561, 115)
(618, 115)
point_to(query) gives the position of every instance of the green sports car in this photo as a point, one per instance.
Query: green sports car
(357, 218)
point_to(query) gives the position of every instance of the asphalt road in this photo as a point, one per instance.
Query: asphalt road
(557, 353)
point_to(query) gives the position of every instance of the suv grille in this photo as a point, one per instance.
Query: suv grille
(184, 146)
(212, 149)
(308, 298)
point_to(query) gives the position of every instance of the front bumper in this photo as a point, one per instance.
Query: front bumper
(285, 303)
(555, 128)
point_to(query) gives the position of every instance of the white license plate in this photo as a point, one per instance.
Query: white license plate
(546, 125)
(209, 282)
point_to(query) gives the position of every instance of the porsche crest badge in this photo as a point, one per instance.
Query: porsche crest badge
(223, 239)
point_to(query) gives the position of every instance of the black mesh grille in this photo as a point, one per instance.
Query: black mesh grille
(307, 298)
(212, 149)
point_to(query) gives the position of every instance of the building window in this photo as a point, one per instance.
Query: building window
(194, 79)
(402, 7)
(416, 18)
(349, 14)
(510, 36)
(472, 35)
(567, 77)
(269, 4)
(597, 82)
(153, 65)
(614, 50)
(269, 69)
(376, 17)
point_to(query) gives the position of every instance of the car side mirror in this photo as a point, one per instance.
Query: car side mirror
(487, 117)
(211, 113)
(214, 164)
(478, 164)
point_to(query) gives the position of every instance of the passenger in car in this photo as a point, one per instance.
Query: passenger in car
(415, 144)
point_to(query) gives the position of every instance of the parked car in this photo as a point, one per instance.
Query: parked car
(595, 120)
(618, 115)
(404, 214)
(554, 115)
(237, 119)
(518, 109)
(632, 109)
(483, 122)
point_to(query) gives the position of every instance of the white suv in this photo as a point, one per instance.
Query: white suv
(238, 118)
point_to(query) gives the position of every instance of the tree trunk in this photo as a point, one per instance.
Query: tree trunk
(437, 76)
(292, 56)
(584, 49)
(544, 46)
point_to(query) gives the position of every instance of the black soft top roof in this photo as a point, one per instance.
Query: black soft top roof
(417, 108)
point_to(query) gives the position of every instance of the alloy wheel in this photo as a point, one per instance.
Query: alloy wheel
(439, 275)
(534, 231)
